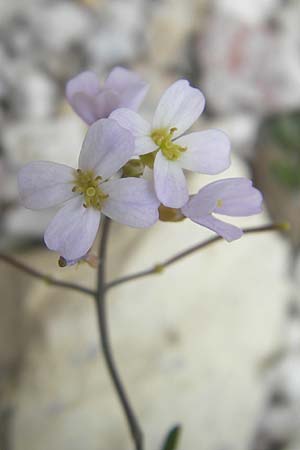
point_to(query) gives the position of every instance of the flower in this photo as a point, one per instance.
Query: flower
(234, 197)
(88, 192)
(91, 102)
(161, 142)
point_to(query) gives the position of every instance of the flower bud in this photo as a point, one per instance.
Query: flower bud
(167, 214)
(133, 168)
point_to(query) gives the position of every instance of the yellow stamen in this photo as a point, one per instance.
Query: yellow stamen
(219, 203)
(163, 139)
(87, 184)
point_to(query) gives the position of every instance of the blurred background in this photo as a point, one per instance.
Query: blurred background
(213, 344)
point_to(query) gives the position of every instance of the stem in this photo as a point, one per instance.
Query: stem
(158, 268)
(100, 298)
(46, 278)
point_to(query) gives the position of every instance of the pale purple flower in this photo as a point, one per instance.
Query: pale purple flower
(234, 197)
(91, 101)
(204, 152)
(87, 191)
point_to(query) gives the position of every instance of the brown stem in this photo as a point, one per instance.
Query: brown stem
(46, 278)
(158, 268)
(100, 298)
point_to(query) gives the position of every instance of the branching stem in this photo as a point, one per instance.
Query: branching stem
(100, 300)
(158, 268)
(46, 278)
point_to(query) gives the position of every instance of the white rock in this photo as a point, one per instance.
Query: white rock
(177, 21)
(108, 47)
(187, 343)
(60, 24)
(57, 140)
(20, 223)
(120, 36)
(240, 58)
(250, 11)
(33, 95)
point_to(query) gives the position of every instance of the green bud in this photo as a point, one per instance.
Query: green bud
(148, 159)
(133, 168)
(167, 214)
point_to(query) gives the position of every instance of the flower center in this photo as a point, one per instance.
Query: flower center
(163, 139)
(87, 184)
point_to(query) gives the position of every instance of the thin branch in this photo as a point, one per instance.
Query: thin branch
(158, 268)
(46, 278)
(100, 298)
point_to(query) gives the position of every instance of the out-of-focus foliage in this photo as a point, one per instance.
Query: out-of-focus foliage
(172, 439)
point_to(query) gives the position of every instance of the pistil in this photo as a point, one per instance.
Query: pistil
(88, 185)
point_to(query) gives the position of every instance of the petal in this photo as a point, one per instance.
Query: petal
(179, 107)
(239, 197)
(106, 148)
(139, 127)
(80, 91)
(223, 229)
(84, 106)
(129, 85)
(73, 229)
(85, 82)
(170, 182)
(207, 151)
(131, 201)
(201, 204)
(105, 102)
(134, 95)
(121, 79)
(43, 184)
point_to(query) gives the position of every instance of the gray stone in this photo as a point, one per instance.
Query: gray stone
(241, 58)
(34, 95)
(57, 140)
(61, 24)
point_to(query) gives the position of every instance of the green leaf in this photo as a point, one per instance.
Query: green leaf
(285, 130)
(287, 174)
(172, 438)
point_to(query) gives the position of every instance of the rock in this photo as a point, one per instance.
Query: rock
(121, 35)
(20, 224)
(187, 342)
(57, 140)
(238, 72)
(250, 11)
(174, 19)
(34, 95)
(58, 25)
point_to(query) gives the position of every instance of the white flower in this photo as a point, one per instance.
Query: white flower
(205, 151)
(234, 197)
(88, 192)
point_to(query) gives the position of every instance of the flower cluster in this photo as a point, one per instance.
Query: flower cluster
(119, 145)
